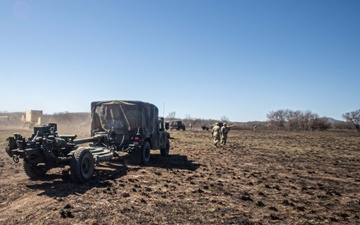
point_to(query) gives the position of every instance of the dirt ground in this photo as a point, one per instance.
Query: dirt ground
(260, 177)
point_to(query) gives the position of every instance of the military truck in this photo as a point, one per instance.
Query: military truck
(116, 126)
(177, 124)
(205, 127)
(133, 125)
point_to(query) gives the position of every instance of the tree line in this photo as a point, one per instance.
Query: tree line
(285, 119)
(307, 120)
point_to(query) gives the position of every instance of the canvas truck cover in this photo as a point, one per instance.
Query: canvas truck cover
(124, 117)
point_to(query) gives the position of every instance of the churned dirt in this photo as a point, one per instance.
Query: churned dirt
(260, 177)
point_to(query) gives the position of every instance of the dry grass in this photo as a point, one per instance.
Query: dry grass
(260, 177)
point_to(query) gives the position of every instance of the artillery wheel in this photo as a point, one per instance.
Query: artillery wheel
(82, 165)
(165, 151)
(33, 171)
(145, 154)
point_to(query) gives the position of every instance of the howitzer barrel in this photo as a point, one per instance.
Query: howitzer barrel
(85, 140)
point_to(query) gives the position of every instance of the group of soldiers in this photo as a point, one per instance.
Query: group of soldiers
(220, 133)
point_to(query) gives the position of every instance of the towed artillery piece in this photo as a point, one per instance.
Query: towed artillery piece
(116, 126)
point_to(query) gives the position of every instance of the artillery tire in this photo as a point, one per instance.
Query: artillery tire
(82, 165)
(165, 151)
(145, 154)
(34, 172)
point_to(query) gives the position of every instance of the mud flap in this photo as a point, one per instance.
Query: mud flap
(135, 156)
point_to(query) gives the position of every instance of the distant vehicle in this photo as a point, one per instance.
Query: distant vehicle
(177, 124)
(205, 127)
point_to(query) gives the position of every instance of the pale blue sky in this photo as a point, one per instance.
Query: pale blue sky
(198, 58)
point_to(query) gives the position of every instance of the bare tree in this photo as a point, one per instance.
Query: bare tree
(224, 119)
(354, 118)
(306, 118)
(320, 123)
(295, 120)
(171, 115)
(277, 118)
(300, 120)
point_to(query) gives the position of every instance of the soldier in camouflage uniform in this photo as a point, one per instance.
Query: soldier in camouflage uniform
(224, 132)
(216, 134)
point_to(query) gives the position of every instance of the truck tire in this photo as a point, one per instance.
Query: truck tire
(82, 165)
(165, 151)
(33, 171)
(145, 154)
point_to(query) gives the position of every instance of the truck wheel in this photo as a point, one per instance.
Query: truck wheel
(33, 171)
(165, 151)
(82, 165)
(145, 153)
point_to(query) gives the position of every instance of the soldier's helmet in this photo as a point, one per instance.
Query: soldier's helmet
(225, 124)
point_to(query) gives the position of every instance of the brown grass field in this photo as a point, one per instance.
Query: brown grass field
(260, 177)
